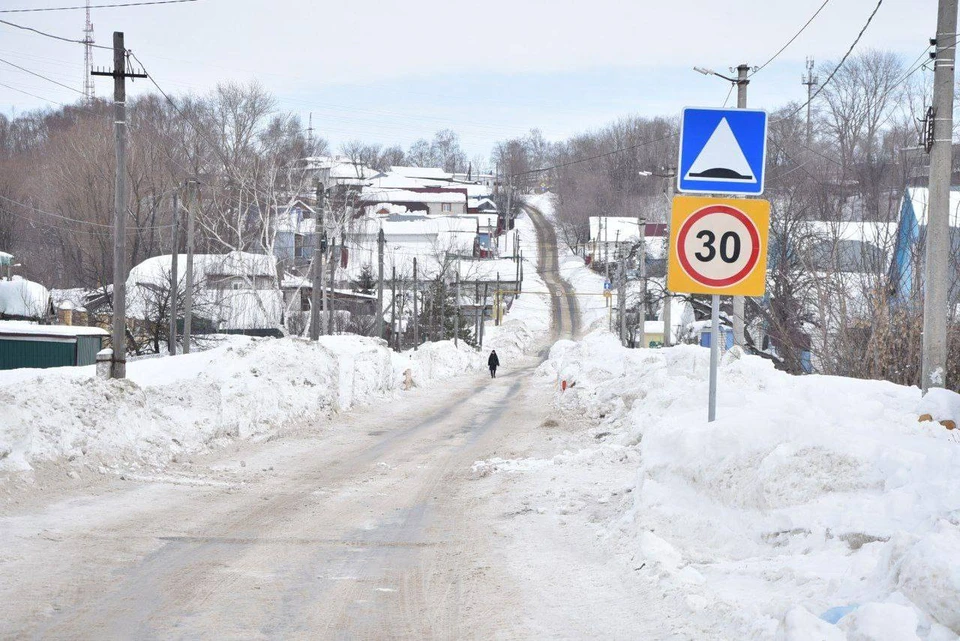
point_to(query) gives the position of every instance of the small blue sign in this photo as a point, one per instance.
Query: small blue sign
(722, 151)
(607, 285)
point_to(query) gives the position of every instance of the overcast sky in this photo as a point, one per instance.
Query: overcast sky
(389, 71)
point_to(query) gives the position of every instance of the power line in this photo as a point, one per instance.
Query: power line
(34, 73)
(603, 155)
(50, 35)
(77, 220)
(790, 41)
(842, 60)
(33, 95)
(96, 6)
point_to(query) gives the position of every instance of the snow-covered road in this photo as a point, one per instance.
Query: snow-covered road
(373, 531)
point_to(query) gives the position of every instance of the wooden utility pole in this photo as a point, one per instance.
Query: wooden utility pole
(331, 327)
(380, 243)
(483, 312)
(316, 286)
(120, 75)
(509, 203)
(667, 298)
(622, 297)
(416, 316)
(393, 302)
(456, 319)
(937, 254)
(192, 197)
(174, 280)
(643, 283)
(496, 303)
(517, 288)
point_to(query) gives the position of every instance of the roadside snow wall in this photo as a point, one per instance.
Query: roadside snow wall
(812, 505)
(248, 388)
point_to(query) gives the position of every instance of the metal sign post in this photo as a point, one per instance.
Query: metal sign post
(718, 246)
(714, 356)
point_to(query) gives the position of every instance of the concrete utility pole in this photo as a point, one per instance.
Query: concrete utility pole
(380, 243)
(810, 81)
(188, 296)
(936, 277)
(120, 75)
(316, 286)
(738, 301)
(416, 317)
(174, 280)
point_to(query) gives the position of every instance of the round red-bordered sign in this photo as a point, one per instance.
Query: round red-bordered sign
(735, 221)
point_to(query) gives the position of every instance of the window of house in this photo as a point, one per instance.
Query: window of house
(447, 207)
(236, 285)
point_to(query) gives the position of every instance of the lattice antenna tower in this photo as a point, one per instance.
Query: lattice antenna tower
(88, 91)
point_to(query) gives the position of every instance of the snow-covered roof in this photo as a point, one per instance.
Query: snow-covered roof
(372, 194)
(876, 233)
(156, 270)
(420, 172)
(414, 225)
(341, 167)
(614, 229)
(919, 196)
(21, 297)
(230, 309)
(24, 328)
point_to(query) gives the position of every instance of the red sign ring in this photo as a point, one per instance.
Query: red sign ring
(718, 282)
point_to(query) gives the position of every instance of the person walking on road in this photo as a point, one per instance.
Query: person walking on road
(493, 363)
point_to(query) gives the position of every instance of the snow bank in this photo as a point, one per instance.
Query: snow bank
(246, 389)
(808, 496)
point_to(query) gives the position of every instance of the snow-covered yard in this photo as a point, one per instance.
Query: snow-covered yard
(813, 508)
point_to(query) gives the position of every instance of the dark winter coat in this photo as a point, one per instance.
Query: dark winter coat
(493, 362)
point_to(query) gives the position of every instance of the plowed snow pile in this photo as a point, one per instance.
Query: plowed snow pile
(247, 388)
(813, 508)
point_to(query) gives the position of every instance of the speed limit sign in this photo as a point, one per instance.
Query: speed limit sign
(718, 246)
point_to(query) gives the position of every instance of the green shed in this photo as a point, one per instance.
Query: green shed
(25, 344)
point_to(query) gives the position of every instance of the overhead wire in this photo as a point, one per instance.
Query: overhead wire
(41, 76)
(96, 6)
(842, 60)
(50, 35)
(33, 95)
(790, 41)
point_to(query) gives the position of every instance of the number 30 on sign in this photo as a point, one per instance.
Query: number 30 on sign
(718, 246)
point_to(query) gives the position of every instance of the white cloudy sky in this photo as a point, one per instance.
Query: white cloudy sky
(391, 71)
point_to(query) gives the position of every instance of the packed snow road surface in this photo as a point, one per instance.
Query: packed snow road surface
(373, 532)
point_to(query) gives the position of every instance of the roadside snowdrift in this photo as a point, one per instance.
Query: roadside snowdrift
(248, 388)
(810, 501)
